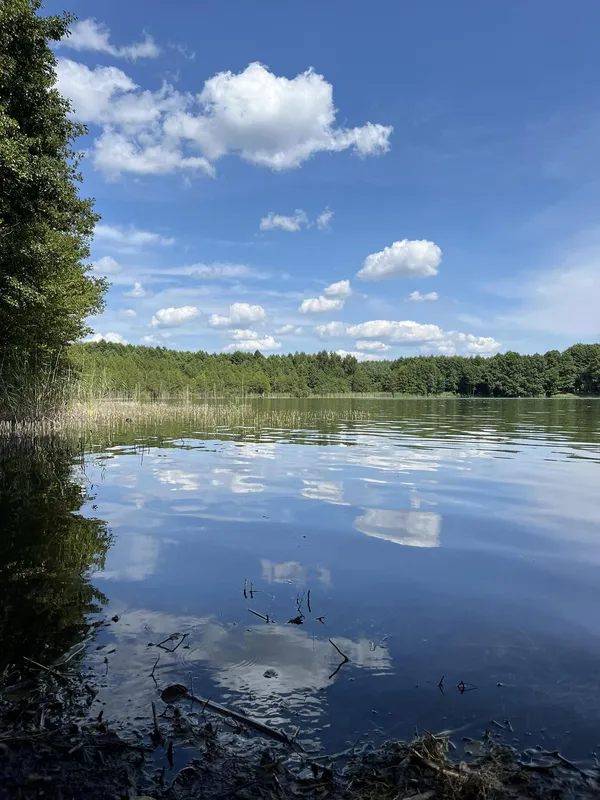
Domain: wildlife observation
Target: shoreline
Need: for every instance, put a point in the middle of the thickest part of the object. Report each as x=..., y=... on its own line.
x=54, y=744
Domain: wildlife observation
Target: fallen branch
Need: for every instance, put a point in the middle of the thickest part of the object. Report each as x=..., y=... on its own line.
x=179, y=692
x=46, y=669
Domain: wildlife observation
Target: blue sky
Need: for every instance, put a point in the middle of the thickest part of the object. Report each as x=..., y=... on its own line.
x=383, y=179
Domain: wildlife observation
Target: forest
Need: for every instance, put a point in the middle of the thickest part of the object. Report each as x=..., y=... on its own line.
x=107, y=369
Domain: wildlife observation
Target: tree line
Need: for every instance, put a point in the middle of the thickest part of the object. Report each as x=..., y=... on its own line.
x=126, y=370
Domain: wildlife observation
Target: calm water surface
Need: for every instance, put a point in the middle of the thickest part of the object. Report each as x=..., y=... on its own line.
x=437, y=538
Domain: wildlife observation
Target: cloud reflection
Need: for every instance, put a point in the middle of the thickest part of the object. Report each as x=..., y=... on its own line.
x=291, y=572
x=235, y=659
x=411, y=528
x=328, y=491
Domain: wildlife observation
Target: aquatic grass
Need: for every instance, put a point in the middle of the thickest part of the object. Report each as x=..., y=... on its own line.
x=78, y=418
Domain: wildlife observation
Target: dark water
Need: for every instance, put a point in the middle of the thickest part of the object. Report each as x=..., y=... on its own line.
x=437, y=538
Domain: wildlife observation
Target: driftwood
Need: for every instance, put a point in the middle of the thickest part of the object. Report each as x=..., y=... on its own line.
x=178, y=691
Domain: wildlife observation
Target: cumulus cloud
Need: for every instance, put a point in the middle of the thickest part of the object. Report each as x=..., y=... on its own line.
x=418, y=258
x=358, y=355
x=129, y=237
x=396, y=330
x=331, y=330
x=323, y=221
x=454, y=342
x=115, y=338
x=417, y=297
x=133, y=138
x=106, y=266
x=278, y=222
x=239, y=314
x=88, y=34
x=268, y=120
x=372, y=347
x=430, y=338
x=128, y=313
x=285, y=330
x=166, y=317
x=152, y=341
x=254, y=343
x=137, y=291
x=317, y=305
x=341, y=289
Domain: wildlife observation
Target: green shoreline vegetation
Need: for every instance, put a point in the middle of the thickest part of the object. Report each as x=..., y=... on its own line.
x=107, y=369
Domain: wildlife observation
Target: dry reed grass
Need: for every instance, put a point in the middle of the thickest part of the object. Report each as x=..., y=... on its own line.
x=80, y=417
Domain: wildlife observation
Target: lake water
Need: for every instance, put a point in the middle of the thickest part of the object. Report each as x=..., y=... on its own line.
x=443, y=538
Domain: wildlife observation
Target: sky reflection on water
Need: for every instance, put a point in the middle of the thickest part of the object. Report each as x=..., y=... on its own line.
x=458, y=539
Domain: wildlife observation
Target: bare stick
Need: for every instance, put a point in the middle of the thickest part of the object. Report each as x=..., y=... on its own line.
x=241, y=719
x=46, y=669
x=256, y=614
x=308, y=602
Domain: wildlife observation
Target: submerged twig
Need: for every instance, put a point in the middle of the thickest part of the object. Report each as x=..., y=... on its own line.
x=262, y=616
x=178, y=692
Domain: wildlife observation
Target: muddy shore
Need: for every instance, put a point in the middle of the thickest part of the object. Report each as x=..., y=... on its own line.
x=56, y=744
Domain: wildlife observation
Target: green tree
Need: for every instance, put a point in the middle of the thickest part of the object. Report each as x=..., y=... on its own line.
x=46, y=292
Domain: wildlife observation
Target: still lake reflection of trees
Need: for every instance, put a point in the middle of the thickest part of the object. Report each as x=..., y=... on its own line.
x=47, y=553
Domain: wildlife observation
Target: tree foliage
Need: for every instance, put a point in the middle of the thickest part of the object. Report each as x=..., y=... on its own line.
x=117, y=369
x=45, y=226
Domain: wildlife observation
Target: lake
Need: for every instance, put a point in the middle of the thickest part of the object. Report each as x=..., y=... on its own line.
x=450, y=549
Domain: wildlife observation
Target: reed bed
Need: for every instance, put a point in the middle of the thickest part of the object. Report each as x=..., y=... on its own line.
x=78, y=418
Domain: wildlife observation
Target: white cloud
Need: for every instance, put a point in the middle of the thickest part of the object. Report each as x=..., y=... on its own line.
x=137, y=291
x=239, y=334
x=253, y=343
x=418, y=258
x=454, y=342
x=417, y=297
x=272, y=121
x=152, y=341
x=372, y=347
x=128, y=313
x=317, y=305
x=115, y=338
x=430, y=338
x=265, y=119
x=93, y=93
x=88, y=34
x=115, y=153
x=133, y=138
x=331, y=330
x=285, y=330
x=218, y=271
x=278, y=222
x=324, y=219
x=106, y=266
x=174, y=316
x=341, y=289
x=405, y=331
x=358, y=355
x=130, y=238
x=239, y=314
